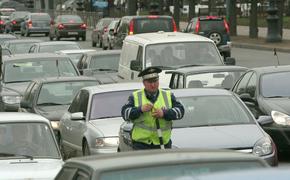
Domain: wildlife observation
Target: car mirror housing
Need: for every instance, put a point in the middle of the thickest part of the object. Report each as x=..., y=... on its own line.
x=264, y=120
x=25, y=104
x=78, y=116
x=230, y=61
x=135, y=65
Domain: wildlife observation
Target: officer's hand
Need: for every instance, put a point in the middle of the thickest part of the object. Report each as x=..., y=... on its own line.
x=146, y=107
x=158, y=113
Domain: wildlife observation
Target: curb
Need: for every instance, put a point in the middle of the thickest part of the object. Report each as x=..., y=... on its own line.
x=259, y=47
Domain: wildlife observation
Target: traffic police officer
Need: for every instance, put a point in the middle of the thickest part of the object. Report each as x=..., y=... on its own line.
x=148, y=105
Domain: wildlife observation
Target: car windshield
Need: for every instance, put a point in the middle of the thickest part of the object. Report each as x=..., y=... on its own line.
x=27, y=139
x=147, y=25
x=20, y=48
x=108, y=104
x=25, y=70
x=40, y=17
x=71, y=19
x=162, y=172
x=61, y=93
x=212, y=24
x=58, y=47
x=275, y=84
x=110, y=61
x=225, y=79
x=181, y=54
x=212, y=111
x=3, y=39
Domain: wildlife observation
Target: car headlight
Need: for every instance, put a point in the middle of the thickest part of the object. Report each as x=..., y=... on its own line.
x=11, y=99
x=107, y=141
x=263, y=147
x=54, y=124
x=280, y=118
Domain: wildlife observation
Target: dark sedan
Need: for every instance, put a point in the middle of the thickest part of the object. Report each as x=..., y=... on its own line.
x=66, y=26
x=19, y=70
x=265, y=90
x=50, y=97
x=215, y=119
x=15, y=20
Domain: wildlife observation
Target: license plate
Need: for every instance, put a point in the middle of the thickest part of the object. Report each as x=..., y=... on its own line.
x=72, y=33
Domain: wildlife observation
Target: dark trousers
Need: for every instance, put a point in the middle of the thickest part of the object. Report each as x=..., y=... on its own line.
x=142, y=146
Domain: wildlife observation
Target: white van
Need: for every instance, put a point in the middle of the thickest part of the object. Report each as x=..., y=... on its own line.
x=167, y=50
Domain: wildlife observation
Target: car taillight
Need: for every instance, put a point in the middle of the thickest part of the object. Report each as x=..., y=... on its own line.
x=174, y=26
x=226, y=26
x=29, y=23
x=197, y=27
x=1, y=22
x=105, y=29
x=14, y=22
x=60, y=26
x=83, y=26
x=131, y=27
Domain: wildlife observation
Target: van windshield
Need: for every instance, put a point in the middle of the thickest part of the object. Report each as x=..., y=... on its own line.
x=182, y=54
x=147, y=25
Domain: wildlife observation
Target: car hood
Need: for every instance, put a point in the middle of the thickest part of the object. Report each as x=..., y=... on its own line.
x=106, y=77
x=109, y=126
x=53, y=113
x=277, y=104
x=30, y=169
x=15, y=88
x=217, y=137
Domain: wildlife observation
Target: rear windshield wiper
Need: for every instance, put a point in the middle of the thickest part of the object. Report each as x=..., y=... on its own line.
x=49, y=104
x=15, y=155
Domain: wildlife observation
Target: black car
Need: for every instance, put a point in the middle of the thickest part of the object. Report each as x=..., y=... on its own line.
x=67, y=26
x=265, y=90
x=214, y=27
x=129, y=25
x=15, y=20
x=50, y=97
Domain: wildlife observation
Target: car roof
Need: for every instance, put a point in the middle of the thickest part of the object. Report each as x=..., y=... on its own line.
x=204, y=69
x=64, y=79
x=201, y=92
x=7, y=36
x=24, y=40
x=104, y=52
x=47, y=56
x=76, y=51
x=271, y=69
x=21, y=117
x=154, y=157
x=114, y=87
x=46, y=43
x=166, y=37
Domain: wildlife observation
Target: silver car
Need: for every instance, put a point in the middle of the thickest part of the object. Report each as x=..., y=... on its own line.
x=28, y=148
x=92, y=122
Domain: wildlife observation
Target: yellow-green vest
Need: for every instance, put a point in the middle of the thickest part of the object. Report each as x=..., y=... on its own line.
x=145, y=130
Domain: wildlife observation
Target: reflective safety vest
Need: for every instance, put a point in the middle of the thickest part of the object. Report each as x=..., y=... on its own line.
x=145, y=130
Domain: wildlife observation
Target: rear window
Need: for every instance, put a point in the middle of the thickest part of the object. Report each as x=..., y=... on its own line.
x=152, y=25
x=208, y=25
x=71, y=19
x=40, y=17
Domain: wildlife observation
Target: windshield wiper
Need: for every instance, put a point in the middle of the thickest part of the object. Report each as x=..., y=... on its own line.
x=188, y=65
x=277, y=97
x=49, y=104
x=2, y=154
x=165, y=67
x=17, y=81
x=104, y=69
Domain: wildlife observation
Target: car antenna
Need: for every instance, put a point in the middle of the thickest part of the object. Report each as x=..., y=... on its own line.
x=58, y=73
x=275, y=54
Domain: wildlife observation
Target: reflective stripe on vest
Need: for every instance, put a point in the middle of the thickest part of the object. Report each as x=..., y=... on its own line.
x=144, y=127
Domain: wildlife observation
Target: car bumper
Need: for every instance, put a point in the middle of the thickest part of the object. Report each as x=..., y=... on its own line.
x=271, y=159
x=38, y=30
x=225, y=48
x=104, y=150
x=72, y=33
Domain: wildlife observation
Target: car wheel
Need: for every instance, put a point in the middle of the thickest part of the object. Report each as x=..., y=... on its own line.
x=84, y=38
x=21, y=33
x=226, y=54
x=216, y=37
x=105, y=48
x=86, y=149
x=57, y=38
x=50, y=37
x=27, y=34
x=77, y=38
x=93, y=44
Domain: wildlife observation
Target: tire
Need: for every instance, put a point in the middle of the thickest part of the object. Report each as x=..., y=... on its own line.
x=77, y=38
x=94, y=44
x=86, y=149
x=57, y=38
x=27, y=34
x=216, y=37
x=46, y=34
x=99, y=44
x=105, y=48
x=226, y=54
x=50, y=37
x=84, y=38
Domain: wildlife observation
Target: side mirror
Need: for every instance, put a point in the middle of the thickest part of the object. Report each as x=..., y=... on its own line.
x=246, y=97
x=135, y=65
x=264, y=120
x=230, y=61
x=25, y=104
x=77, y=116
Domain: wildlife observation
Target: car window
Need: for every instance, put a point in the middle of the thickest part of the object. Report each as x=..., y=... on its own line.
x=28, y=91
x=240, y=88
x=32, y=93
x=66, y=173
x=274, y=85
x=74, y=107
x=212, y=111
x=146, y=25
x=252, y=85
x=108, y=104
x=80, y=103
x=110, y=61
x=70, y=19
x=81, y=175
x=209, y=25
x=21, y=48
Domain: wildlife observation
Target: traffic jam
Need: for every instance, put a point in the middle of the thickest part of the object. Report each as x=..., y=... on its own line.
x=136, y=97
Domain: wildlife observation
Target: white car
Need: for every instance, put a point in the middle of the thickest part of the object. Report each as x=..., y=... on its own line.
x=28, y=148
x=92, y=122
